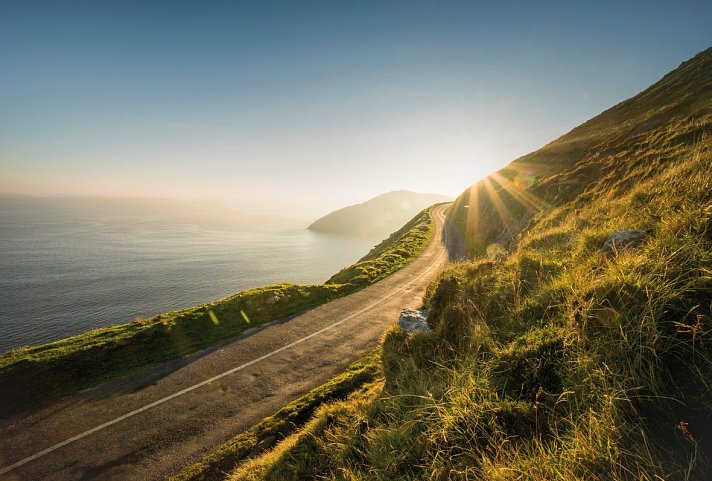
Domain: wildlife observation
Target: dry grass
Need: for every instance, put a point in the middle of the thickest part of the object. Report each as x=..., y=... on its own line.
x=554, y=360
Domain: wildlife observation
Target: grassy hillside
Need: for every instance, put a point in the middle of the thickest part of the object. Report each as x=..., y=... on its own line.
x=554, y=354
x=378, y=216
x=44, y=372
x=645, y=130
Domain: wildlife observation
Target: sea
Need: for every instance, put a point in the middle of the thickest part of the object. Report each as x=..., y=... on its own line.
x=71, y=265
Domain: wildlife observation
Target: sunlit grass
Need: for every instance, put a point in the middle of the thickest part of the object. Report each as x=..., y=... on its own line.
x=552, y=359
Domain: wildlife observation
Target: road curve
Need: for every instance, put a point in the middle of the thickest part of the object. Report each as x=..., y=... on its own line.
x=151, y=424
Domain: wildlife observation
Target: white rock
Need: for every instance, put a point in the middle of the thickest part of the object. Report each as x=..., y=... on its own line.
x=623, y=239
x=414, y=320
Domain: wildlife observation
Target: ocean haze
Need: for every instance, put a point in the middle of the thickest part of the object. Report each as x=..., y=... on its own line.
x=70, y=264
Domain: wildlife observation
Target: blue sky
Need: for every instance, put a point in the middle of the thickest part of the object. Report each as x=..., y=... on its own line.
x=303, y=107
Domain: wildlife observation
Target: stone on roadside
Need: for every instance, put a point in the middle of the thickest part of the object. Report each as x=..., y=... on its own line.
x=623, y=239
x=414, y=320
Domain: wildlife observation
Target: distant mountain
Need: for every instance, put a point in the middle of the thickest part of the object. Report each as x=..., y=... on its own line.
x=378, y=216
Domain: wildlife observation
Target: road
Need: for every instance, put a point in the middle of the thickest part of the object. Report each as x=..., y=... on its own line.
x=149, y=425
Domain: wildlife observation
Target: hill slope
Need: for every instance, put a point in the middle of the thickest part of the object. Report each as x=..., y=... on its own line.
x=560, y=355
x=378, y=216
x=644, y=129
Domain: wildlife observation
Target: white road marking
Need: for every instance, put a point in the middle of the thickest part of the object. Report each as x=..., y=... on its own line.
x=221, y=375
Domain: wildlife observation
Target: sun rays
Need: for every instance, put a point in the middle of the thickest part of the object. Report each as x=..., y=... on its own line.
x=498, y=200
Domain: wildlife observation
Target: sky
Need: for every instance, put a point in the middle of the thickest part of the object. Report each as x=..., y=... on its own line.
x=302, y=107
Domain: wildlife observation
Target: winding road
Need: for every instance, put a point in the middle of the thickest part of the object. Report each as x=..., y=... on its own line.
x=149, y=425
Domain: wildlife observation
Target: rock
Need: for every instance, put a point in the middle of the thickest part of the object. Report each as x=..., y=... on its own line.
x=624, y=239
x=273, y=299
x=414, y=320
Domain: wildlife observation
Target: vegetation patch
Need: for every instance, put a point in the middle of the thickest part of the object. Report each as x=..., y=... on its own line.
x=532, y=364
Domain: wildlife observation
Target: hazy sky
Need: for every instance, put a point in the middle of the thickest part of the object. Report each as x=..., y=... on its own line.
x=306, y=106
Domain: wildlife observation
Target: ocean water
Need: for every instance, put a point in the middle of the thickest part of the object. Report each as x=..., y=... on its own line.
x=70, y=266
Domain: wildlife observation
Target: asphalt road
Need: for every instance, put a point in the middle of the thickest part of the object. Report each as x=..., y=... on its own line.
x=149, y=425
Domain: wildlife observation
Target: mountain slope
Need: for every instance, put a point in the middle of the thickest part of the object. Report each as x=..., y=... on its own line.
x=379, y=216
x=560, y=350
x=643, y=129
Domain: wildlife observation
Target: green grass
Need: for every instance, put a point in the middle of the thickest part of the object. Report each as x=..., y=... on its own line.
x=553, y=360
x=49, y=371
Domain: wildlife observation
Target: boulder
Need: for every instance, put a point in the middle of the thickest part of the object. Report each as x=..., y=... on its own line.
x=273, y=299
x=623, y=239
x=414, y=320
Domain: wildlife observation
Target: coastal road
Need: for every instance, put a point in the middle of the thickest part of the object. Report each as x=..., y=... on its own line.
x=149, y=425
